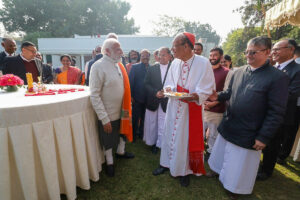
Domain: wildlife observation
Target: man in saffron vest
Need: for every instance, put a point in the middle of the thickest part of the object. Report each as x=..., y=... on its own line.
x=110, y=97
x=182, y=144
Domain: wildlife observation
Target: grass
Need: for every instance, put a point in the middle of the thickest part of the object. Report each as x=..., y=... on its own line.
x=134, y=181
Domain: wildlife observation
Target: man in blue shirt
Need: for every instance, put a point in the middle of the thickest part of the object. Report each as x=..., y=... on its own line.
x=137, y=77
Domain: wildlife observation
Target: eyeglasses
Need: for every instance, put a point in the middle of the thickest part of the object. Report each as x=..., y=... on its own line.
x=32, y=51
x=252, y=53
x=278, y=49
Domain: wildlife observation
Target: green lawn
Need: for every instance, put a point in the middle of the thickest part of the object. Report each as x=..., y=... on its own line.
x=134, y=180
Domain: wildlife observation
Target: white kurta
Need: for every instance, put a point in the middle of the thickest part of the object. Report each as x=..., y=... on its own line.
x=199, y=78
x=154, y=120
x=236, y=166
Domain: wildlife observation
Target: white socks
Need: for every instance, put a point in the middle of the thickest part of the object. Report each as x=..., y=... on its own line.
x=121, y=147
x=120, y=150
x=109, y=157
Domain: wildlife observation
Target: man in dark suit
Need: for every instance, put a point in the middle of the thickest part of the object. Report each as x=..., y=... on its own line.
x=24, y=63
x=281, y=145
x=156, y=107
x=47, y=70
x=10, y=47
x=137, y=77
x=91, y=62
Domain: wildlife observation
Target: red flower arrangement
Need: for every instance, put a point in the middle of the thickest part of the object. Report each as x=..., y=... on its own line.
x=10, y=82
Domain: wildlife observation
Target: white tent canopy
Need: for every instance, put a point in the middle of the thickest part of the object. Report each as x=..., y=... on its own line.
x=287, y=11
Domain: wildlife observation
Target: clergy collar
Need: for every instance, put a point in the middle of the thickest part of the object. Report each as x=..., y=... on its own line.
x=164, y=65
x=25, y=58
x=190, y=60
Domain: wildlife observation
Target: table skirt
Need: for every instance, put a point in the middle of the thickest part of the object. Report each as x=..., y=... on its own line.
x=44, y=159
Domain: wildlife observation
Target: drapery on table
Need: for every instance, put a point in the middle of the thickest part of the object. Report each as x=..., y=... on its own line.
x=48, y=144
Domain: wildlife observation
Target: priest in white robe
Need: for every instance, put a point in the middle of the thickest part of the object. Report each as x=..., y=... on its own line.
x=156, y=107
x=182, y=144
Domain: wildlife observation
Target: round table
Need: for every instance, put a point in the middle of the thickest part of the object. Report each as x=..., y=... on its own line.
x=48, y=144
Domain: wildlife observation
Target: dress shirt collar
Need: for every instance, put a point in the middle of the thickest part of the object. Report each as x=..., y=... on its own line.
x=7, y=54
x=25, y=58
x=284, y=64
x=297, y=60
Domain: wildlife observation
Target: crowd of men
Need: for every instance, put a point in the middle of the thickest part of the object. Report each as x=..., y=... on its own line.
x=240, y=112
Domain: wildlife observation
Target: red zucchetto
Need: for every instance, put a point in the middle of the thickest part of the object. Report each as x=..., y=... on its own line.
x=191, y=37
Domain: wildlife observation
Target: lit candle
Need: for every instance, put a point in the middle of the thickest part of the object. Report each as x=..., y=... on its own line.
x=29, y=80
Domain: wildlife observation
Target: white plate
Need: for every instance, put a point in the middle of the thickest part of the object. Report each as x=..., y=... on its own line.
x=172, y=95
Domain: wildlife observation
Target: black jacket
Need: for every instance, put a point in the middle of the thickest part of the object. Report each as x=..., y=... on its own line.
x=2, y=57
x=257, y=104
x=15, y=65
x=153, y=84
x=293, y=72
x=87, y=78
x=47, y=73
x=137, y=78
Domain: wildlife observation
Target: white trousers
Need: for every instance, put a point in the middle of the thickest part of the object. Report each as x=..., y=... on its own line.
x=212, y=121
x=154, y=126
x=236, y=166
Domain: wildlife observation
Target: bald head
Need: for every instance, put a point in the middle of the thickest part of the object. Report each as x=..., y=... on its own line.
x=145, y=56
x=9, y=45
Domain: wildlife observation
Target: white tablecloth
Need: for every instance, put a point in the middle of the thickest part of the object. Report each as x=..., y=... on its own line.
x=48, y=145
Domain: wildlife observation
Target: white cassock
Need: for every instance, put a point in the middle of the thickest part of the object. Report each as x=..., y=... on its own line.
x=237, y=166
x=154, y=120
x=198, y=78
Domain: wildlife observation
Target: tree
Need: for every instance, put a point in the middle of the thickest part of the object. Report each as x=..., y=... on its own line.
x=63, y=18
x=253, y=19
x=236, y=44
x=171, y=26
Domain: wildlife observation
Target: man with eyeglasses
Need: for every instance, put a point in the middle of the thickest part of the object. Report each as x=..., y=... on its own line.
x=281, y=145
x=24, y=63
x=257, y=95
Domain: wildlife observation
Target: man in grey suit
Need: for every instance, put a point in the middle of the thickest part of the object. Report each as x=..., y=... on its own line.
x=24, y=63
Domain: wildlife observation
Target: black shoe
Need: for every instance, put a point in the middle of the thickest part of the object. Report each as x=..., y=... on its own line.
x=262, y=176
x=212, y=174
x=184, y=181
x=281, y=162
x=206, y=156
x=160, y=170
x=126, y=155
x=231, y=195
x=154, y=149
x=110, y=170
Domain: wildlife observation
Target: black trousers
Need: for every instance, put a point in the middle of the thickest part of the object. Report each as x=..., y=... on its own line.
x=287, y=141
x=270, y=153
x=280, y=146
x=138, y=116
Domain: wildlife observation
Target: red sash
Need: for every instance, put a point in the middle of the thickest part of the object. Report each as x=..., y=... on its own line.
x=196, y=142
